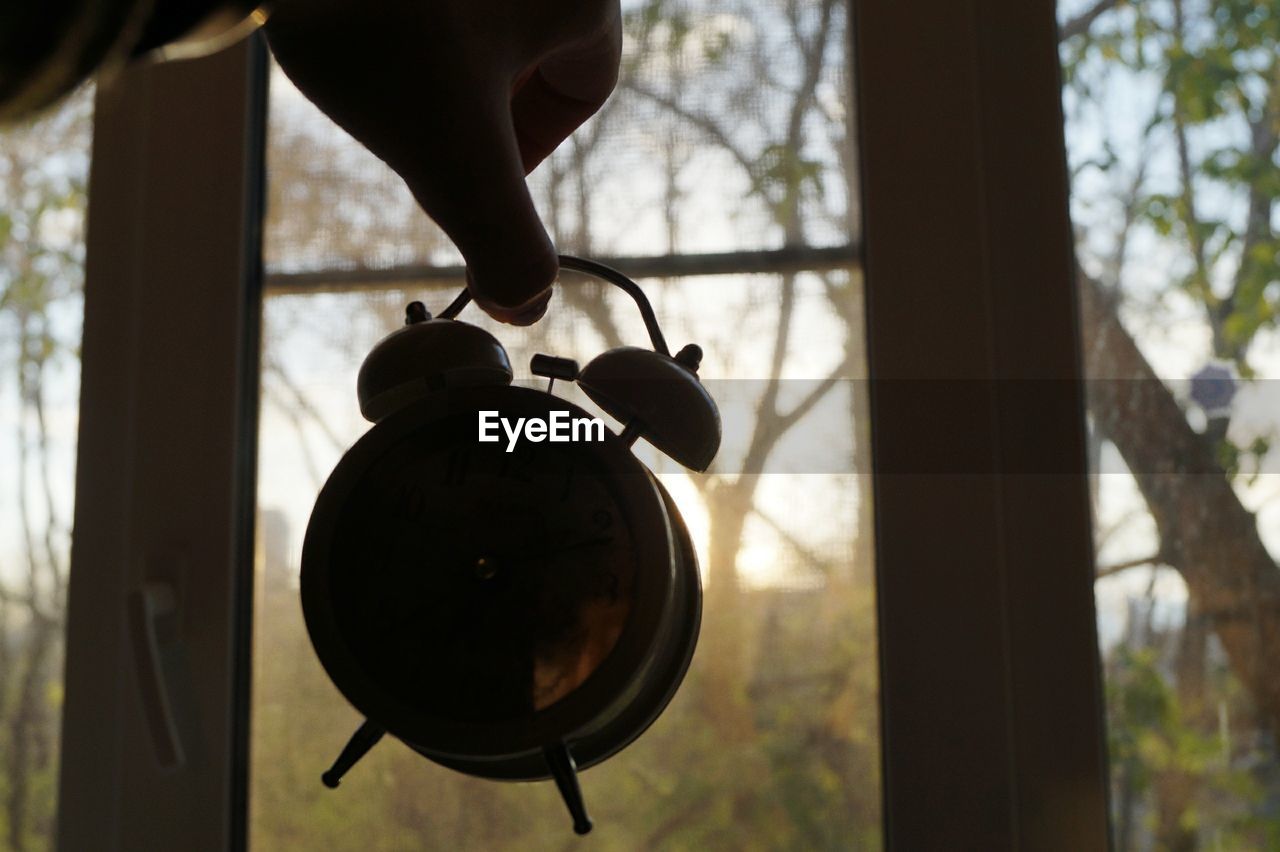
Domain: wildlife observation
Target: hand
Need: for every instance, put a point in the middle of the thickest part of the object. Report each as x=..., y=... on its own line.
x=462, y=98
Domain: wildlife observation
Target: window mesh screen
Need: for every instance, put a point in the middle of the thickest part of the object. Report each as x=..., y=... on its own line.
x=729, y=133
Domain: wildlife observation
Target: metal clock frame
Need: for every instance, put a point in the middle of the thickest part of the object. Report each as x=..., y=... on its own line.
x=629, y=674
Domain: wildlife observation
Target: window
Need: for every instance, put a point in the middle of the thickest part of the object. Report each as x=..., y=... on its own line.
x=980, y=577
x=727, y=150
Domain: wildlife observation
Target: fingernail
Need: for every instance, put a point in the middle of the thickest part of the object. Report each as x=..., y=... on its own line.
x=533, y=312
x=486, y=296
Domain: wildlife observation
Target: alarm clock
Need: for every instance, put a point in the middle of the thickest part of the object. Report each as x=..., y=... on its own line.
x=511, y=603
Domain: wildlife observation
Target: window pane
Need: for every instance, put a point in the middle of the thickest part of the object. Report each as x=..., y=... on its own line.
x=773, y=738
x=43, y=171
x=1173, y=113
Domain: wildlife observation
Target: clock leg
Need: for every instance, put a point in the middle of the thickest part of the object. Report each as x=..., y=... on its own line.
x=565, y=772
x=365, y=738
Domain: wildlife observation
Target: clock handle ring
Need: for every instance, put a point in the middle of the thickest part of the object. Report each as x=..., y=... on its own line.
x=603, y=273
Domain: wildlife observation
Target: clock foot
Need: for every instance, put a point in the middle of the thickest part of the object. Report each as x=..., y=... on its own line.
x=365, y=738
x=565, y=772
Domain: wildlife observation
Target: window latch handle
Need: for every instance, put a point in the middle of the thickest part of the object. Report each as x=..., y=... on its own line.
x=153, y=626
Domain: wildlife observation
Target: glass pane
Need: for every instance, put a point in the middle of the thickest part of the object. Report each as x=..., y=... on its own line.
x=1173, y=116
x=43, y=174
x=772, y=740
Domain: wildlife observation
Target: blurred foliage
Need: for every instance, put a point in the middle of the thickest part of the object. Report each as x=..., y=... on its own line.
x=1155, y=749
x=1178, y=103
x=43, y=171
x=1216, y=121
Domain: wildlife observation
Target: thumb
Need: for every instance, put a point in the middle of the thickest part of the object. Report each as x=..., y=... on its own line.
x=470, y=178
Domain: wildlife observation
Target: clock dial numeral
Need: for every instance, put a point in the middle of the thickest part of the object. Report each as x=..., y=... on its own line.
x=563, y=543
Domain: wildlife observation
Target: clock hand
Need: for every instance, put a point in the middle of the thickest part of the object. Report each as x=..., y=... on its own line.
x=582, y=545
x=488, y=567
x=568, y=548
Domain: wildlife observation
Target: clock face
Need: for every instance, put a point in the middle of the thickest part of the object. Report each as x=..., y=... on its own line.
x=476, y=585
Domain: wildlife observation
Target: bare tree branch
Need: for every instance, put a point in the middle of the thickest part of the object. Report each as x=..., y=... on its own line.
x=1118, y=567
x=702, y=122
x=681, y=818
x=806, y=553
x=56, y=570
x=12, y=598
x=1080, y=24
x=770, y=429
x=300, y=401
x=1190, y=213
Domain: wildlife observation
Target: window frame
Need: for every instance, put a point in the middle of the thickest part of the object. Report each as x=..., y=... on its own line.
x=991, y=709
x=993, y=731
x=166, y=460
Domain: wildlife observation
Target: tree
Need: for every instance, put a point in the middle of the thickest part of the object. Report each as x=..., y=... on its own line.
x=1195, y=184
x=42, y=180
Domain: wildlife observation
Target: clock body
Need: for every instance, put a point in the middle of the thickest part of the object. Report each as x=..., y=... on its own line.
x=483, y=605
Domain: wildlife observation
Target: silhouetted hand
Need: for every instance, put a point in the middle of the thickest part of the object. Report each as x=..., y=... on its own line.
x=462, y=98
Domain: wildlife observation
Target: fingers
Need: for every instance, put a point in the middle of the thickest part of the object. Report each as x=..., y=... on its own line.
x=435, y=89
x=469, y=177
x=564, y=90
